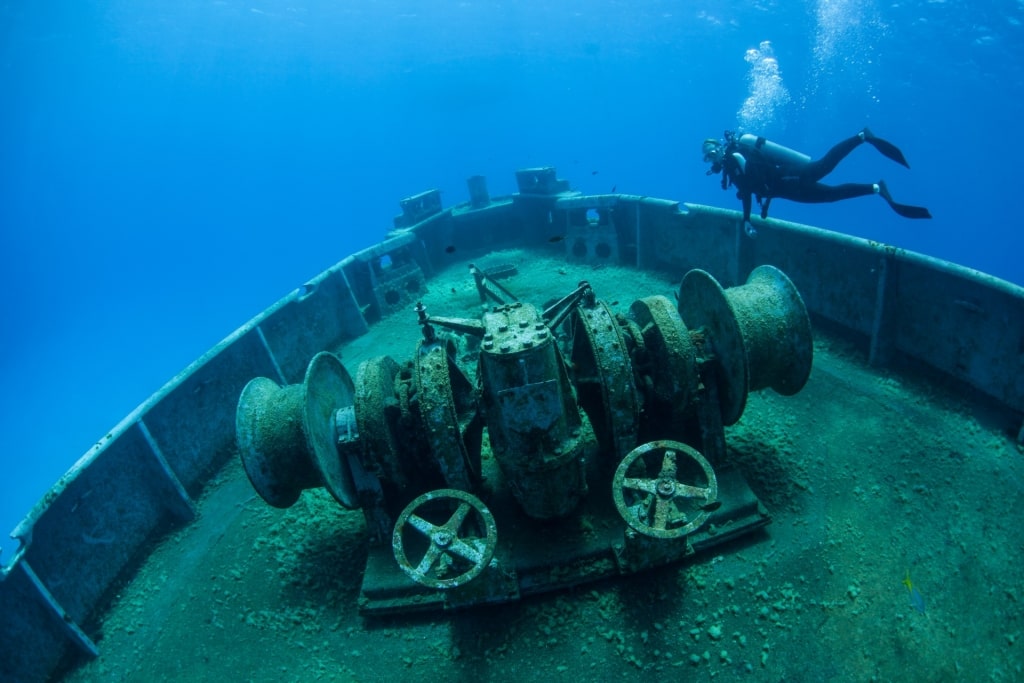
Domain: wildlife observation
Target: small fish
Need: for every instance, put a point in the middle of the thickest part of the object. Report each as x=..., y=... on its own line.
x=556, y=239
x=916, y=599
x=450, y=249
x=594, y=172
x=613, y=188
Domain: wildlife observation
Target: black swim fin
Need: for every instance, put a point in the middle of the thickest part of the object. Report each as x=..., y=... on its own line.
x=908, y=211
x=905, y=210
x=885, y=147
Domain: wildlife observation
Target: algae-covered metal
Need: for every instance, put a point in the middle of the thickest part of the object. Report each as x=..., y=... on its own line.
x=540, y=380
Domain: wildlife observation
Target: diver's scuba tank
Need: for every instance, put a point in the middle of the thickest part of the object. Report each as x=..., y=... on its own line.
x=775, y=152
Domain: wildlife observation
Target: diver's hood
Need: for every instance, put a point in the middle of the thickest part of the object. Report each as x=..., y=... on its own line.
x=714, y=153
x=712, y=150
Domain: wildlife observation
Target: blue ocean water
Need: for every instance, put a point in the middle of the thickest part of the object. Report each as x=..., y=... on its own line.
x=169, y=169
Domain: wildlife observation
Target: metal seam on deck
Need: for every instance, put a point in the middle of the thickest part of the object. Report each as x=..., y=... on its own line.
x=879, y=343
x=636, y=213
x=270, y=354
x=352, y=298
x=68, y=625
x=186, y=510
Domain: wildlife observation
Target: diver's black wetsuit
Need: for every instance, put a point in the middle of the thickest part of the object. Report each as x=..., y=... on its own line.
x=757, y=171
x=767, y=178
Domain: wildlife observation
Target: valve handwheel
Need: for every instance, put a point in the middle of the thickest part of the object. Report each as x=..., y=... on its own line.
x=665, y=505
x=451, y=532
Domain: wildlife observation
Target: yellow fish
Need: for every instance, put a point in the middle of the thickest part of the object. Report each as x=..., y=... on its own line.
x=916, y=599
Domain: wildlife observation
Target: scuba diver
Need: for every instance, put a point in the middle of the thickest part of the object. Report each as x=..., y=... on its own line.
x=765, y=170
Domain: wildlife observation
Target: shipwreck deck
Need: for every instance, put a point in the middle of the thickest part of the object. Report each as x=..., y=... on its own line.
x=871, y=477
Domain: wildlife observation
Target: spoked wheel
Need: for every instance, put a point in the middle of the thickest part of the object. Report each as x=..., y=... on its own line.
x=444, y=538
x=665, y=489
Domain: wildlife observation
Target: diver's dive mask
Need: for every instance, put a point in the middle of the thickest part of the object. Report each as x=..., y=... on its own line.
x=714, y=153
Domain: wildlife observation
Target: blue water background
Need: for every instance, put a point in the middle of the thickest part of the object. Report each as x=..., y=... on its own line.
x=168, y=169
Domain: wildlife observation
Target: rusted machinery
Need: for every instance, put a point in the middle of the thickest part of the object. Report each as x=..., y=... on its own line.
x=581, y=444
